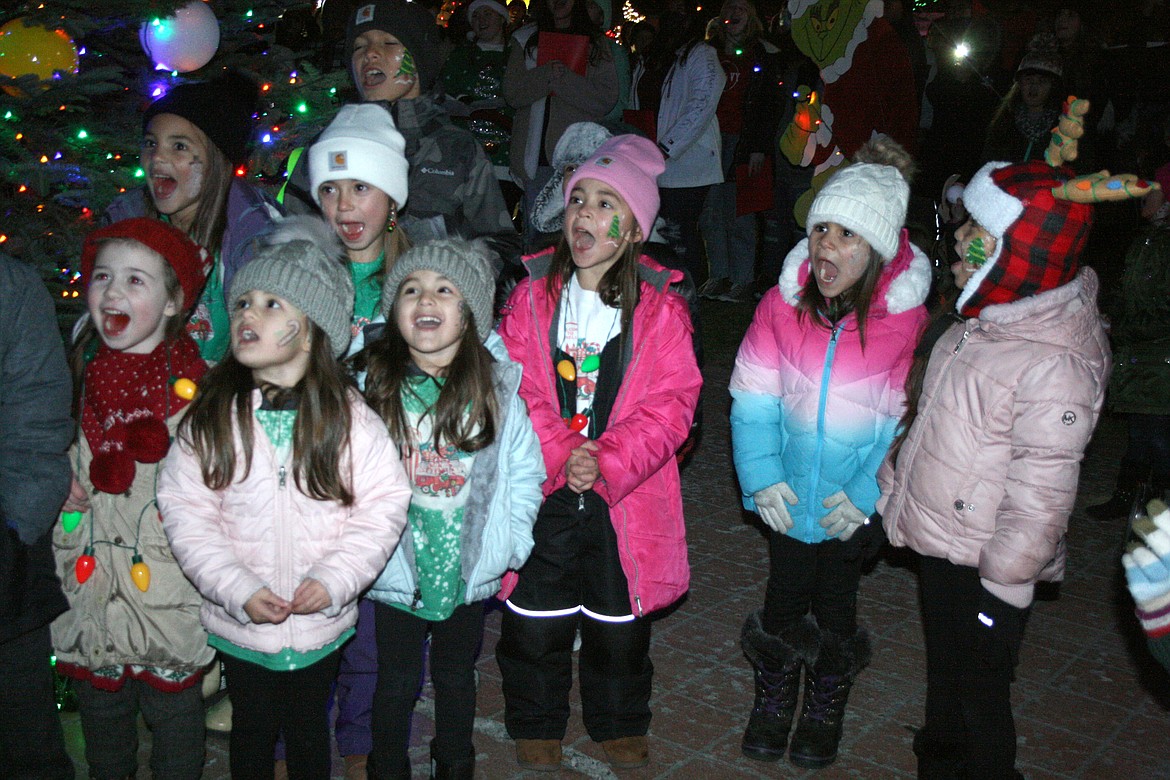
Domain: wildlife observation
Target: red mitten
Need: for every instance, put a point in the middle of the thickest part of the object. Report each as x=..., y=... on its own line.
x=112, y=472
x=147, y=440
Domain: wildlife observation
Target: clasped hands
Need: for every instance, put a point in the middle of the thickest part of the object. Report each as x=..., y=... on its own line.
x=772, y=505
x=581, y=468
x=266, y=607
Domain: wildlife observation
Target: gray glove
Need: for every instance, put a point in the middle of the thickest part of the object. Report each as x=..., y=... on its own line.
x=772, y=505
x=844, y=519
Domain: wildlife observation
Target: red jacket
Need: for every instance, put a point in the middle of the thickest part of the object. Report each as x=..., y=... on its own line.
x=651, y=418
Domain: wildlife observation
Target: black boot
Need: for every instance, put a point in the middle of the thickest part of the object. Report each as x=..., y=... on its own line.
x=776, y=660
x=826, y=691
x=1129, y=481
x=938, y=760
x=454, y=770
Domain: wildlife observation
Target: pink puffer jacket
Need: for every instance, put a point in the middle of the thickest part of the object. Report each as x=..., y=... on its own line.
x=651, y=418
x=988, y=474
x=263, y=532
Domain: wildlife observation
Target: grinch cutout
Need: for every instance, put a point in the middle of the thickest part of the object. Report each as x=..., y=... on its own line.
x=867, y=87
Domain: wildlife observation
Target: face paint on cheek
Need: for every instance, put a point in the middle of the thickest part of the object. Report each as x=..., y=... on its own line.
x=193, y=184
x=615, y=227
x=407, y=70
x=285, y=337
x=976, y=254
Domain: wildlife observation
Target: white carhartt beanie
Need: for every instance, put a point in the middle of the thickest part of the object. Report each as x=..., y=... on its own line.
x=361, y=143
x=868, y=198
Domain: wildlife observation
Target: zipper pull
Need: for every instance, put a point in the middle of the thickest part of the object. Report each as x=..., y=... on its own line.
x=962, y=341
x=580, y=502
x=282, y=475
x=416, y=602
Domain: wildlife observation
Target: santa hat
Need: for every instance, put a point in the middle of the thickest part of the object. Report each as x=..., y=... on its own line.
x=1038, y=237
x=190, y=261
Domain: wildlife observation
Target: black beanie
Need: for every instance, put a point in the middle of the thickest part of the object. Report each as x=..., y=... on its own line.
x=221, y=107
x=414, y=27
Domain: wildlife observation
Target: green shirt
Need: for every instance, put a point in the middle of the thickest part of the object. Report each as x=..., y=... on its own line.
x=367, y=288
x=286, y=660
x=437, y=477
x=210, y=324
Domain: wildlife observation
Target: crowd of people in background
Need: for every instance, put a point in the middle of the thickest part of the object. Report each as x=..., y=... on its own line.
x=454, y=365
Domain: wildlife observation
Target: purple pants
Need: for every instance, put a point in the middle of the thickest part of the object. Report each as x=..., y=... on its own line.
x=354, y=690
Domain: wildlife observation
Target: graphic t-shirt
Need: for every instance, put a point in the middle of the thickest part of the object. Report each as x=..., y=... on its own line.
x=367, y=288
x=210, y=324
x=587, y=325
x=437, y=477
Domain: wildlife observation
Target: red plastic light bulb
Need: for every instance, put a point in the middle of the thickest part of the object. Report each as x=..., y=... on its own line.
x=85, y=565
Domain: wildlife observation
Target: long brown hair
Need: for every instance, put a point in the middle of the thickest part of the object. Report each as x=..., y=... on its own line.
x=466, y=411
x=619, y=287
x=211, y=217
x=320, y=433
x=827, y=312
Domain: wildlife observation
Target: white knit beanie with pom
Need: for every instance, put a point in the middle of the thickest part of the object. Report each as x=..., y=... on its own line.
x=869, y=199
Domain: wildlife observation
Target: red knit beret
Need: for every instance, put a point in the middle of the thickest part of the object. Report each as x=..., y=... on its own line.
x=191, y=262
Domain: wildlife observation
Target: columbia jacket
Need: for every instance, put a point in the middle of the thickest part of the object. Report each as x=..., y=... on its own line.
x=651, y=418
x=988, y=472
x=810, y=406
x=503, y=497
x=263, y=532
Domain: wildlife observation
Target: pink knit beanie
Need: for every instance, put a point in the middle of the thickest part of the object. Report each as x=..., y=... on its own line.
x=631, y=165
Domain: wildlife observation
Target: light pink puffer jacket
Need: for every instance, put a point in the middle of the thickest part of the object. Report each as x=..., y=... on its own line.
x=263, y=532
x=988, y=474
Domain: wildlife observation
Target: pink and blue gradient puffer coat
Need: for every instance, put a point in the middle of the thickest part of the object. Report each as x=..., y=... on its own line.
x=810, y=407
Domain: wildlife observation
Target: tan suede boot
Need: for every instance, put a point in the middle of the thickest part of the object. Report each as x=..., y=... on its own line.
x=627, y=752
x=355, y=767
x=540, y=755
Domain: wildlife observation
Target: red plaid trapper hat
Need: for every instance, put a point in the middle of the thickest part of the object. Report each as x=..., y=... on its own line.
x=1039, y=239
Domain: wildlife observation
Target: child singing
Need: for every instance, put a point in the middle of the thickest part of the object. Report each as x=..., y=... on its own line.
x=131, y=638
x=285, y=498
x=611, y=383
x=475, y=471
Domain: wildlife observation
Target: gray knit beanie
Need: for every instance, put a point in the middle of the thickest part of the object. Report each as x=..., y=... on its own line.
x=576, y=145
x=869, y=199
x=468, y=264
x=303, y=261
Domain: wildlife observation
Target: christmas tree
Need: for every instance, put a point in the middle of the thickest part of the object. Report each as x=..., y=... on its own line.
x=76, y=77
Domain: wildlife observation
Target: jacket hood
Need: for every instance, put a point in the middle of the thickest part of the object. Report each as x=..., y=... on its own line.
x=904, y=283
x=1065, y=316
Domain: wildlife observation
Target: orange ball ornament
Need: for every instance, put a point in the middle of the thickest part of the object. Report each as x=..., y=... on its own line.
x=32, y=50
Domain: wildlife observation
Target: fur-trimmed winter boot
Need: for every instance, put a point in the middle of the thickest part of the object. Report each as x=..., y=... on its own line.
x=776, y=660
x=826, y=692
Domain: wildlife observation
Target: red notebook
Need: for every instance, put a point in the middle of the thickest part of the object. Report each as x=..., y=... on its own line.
x=573, y=50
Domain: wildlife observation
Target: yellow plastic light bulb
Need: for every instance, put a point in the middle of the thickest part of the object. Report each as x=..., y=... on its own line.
x=567, y=370
x=140, y=573
x=185, y=389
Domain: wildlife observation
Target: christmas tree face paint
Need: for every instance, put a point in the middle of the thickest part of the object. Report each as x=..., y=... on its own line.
x=615, y=227
x=407, y=69
x=976, y=255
